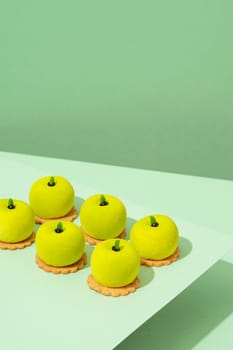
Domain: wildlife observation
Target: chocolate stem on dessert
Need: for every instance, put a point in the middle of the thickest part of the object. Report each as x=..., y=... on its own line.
x=11, y=204
x=103, y=201
x=59, y=228
x=116, y=246
x=51, y=181
x=153, y=221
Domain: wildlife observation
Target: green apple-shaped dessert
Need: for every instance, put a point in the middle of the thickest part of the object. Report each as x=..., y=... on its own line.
x=103, y=217
x=114, y=264
x=16, y=224
x=60, y=244
x=52, y=197
x=155, y=237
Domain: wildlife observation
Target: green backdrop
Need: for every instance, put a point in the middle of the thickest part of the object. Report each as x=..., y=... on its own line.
x=145, y=84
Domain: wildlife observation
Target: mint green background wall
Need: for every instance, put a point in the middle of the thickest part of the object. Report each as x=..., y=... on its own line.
x=145, y=84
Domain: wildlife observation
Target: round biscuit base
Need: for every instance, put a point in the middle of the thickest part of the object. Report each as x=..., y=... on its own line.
x=95, y=241
x=68, y=217
x=62, y=269
x=18, y=245
x=167, y=261
x=112, y=291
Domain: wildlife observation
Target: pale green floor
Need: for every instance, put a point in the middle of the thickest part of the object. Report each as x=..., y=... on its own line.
x=188, y=319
